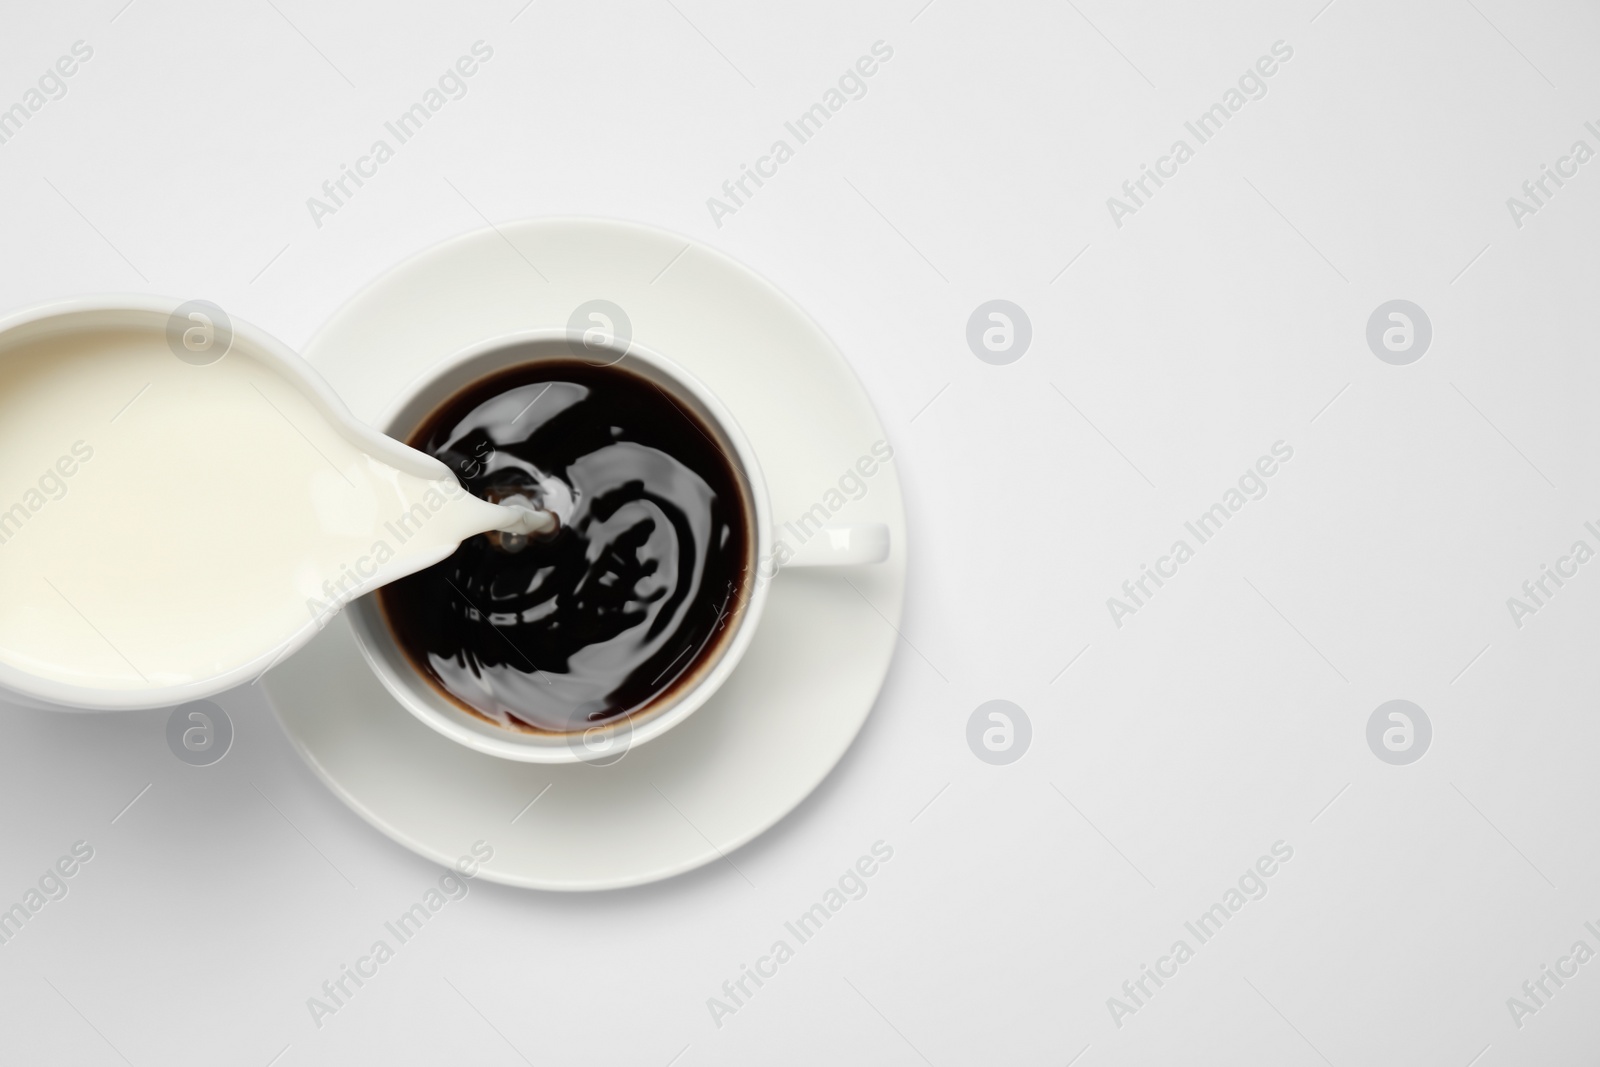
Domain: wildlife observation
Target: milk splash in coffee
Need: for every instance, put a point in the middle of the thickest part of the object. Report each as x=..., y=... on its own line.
x=164, y=523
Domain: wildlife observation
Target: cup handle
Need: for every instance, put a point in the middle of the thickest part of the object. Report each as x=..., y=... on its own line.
x=843, y=546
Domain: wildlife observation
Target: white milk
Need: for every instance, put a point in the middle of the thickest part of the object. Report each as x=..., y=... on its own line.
x=163, y=523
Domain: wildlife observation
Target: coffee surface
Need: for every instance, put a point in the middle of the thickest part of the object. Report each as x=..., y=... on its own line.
x=629, y=598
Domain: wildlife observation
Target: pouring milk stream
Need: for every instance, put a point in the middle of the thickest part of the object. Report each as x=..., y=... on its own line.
x=172, y=527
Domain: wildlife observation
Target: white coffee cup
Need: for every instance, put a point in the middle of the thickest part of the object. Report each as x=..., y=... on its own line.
x=843, y=546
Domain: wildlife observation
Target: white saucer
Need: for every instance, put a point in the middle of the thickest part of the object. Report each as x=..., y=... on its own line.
x=796, y=702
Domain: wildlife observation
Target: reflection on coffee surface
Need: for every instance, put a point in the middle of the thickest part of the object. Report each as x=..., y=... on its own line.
x=630, y=598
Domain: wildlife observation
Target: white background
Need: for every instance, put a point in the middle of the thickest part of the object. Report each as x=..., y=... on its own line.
x=1230, y=713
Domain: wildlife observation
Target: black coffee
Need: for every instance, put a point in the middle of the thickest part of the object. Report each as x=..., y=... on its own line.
x=628, y=600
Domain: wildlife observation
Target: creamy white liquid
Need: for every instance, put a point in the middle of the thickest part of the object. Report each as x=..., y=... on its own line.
x=163, y=523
